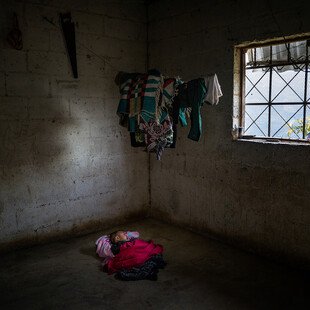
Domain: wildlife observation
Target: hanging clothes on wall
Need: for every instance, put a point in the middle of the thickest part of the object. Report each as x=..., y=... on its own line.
x=214, y=91
x=144, y=109
x=151, y=106
x=193, y=94
x=138, y=99
x=157, y=135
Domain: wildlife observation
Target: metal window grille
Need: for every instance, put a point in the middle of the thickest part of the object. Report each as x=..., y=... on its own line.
x=276, y=90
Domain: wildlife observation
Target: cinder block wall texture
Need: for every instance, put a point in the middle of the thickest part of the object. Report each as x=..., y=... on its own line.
x=65, y=164
x=253, y=195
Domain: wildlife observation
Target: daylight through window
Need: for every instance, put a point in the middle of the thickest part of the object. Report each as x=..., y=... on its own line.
x=276, y=90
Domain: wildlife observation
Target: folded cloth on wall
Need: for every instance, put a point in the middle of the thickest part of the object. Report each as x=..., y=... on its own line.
x=133, y=254
x=147, y=270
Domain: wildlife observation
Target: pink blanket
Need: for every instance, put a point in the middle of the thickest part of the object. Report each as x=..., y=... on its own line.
x=133, y=254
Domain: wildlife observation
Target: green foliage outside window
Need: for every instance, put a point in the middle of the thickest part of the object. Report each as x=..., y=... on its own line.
x=297, y=127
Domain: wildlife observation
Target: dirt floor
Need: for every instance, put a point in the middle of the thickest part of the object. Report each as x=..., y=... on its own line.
x=201, y=274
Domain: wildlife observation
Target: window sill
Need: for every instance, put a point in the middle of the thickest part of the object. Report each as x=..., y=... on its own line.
x=273, y=141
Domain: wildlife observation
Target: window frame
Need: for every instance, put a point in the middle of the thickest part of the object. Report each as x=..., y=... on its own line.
x=239, y=89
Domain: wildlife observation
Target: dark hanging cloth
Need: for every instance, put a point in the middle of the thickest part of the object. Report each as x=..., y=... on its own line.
x=191, y=95
x=177, y=112
x=134, y=142
x=147, y=271
x=137, y=138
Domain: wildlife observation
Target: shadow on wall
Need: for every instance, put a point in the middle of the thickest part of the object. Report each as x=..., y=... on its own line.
x=32, y=120
x=65, y=163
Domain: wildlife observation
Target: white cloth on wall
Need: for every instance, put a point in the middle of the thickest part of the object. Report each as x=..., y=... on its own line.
x=214, y=91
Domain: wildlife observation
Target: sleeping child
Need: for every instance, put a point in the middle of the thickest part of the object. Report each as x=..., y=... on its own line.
x=129, y=257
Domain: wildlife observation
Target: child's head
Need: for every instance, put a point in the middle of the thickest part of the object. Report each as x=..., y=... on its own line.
x=117, y=236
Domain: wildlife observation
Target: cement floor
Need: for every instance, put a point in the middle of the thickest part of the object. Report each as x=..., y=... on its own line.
x=201, y=274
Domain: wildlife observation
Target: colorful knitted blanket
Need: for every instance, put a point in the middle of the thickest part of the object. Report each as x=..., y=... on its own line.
x=148, y=96
x=145, y=102
x=139, y=97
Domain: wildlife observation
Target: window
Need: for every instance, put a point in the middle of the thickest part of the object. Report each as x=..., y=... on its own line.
x=274, y=93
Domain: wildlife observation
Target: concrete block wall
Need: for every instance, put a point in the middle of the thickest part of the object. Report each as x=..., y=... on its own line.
x=66, y=166
x=253, y=195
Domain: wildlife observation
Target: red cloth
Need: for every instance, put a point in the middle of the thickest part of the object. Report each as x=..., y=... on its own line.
x=133, y=254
